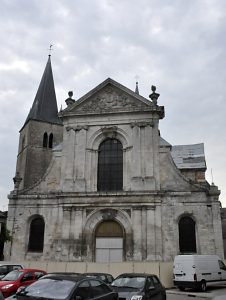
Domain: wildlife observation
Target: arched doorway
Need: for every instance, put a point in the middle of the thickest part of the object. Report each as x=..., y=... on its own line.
x=109, y=242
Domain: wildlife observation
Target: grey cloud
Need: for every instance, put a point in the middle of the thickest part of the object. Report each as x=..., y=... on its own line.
x=176, y=45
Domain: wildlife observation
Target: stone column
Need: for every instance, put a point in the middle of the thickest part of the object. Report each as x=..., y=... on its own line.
x=155, y=143
x=151, y=242
x=127, y=165
x=80, y=159
x=137, y=234
x=144, y=232
x=148, y=151
x=77, y=244
x=217, y=229
x=158, y=234
x=66, y=222
x=93, y=169
x=136, y=166
x=68, y=160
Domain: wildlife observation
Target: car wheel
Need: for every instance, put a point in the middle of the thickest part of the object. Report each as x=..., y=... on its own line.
x=181, y=288
x=203, y=286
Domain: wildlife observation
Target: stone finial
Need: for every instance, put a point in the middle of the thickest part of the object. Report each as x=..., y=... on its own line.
x=69, y=101
x=17, y=179
x=137, y=88
x=154, y=96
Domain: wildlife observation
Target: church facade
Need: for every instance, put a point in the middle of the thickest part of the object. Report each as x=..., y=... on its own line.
x=96, y=182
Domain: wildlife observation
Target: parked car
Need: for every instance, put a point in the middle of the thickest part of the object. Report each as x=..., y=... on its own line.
x=107, y=278
x=68, y=288
x=136, y=286
x=6, y=267
x=17, y=278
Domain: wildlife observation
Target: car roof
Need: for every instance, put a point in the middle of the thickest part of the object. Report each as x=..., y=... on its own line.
x=64, y=277
x=63, y=273
x=96, y=273
x=135, y=275
x=48, y=275
x=8, y=263
x=28, y=270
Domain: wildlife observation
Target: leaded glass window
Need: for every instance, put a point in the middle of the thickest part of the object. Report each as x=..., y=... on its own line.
x=110, y=166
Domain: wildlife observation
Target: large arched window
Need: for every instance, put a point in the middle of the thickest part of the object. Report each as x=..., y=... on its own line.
x=187, y=237
x=109, y=242
x=36, y=236
x=110, y=166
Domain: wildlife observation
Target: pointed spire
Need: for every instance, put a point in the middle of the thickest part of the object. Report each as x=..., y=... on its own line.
x=44, y=107
x=137, y=89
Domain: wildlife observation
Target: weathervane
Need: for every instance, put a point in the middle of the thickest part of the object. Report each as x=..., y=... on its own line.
x=50, y=49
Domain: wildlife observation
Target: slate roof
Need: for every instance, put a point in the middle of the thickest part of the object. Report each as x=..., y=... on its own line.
x=189, y=156
x=44, y=107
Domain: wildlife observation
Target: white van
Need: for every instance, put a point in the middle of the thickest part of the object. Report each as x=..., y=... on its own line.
x=195, y=271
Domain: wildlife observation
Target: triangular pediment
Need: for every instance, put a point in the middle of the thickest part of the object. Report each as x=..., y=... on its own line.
x=109, y=97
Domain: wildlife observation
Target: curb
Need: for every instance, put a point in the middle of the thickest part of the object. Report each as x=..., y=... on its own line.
x=190, y=294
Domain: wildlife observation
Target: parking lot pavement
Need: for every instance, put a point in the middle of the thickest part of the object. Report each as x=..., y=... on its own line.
x=189, y=293
x=216, y=292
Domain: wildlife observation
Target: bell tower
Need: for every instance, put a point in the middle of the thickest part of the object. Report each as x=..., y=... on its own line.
x=41, y=132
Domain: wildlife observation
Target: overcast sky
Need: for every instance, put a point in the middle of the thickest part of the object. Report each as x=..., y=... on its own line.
x=177, y=45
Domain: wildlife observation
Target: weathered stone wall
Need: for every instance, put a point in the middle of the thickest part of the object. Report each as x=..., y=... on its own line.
x=62, y=186
x=150, y=223
x=33, y=159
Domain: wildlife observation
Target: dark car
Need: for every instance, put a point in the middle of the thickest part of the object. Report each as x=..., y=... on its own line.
x=107, y=278
x=15, y=279
x=139, y=286
x=59, y=287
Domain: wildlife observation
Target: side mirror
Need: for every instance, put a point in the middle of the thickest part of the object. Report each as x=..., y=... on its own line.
x=20, y=290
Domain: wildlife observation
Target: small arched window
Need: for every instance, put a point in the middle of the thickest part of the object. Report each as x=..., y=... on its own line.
x=187, y=236
x=51, y=140
x=36, y=235
x=45, y=140
x=110, y=166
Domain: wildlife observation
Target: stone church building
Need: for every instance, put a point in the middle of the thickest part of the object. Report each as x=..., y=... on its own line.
x=97, y=182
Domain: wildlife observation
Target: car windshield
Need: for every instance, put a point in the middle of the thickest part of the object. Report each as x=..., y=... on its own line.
x=129, y=281
x=13, y=275
x=50, y=288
